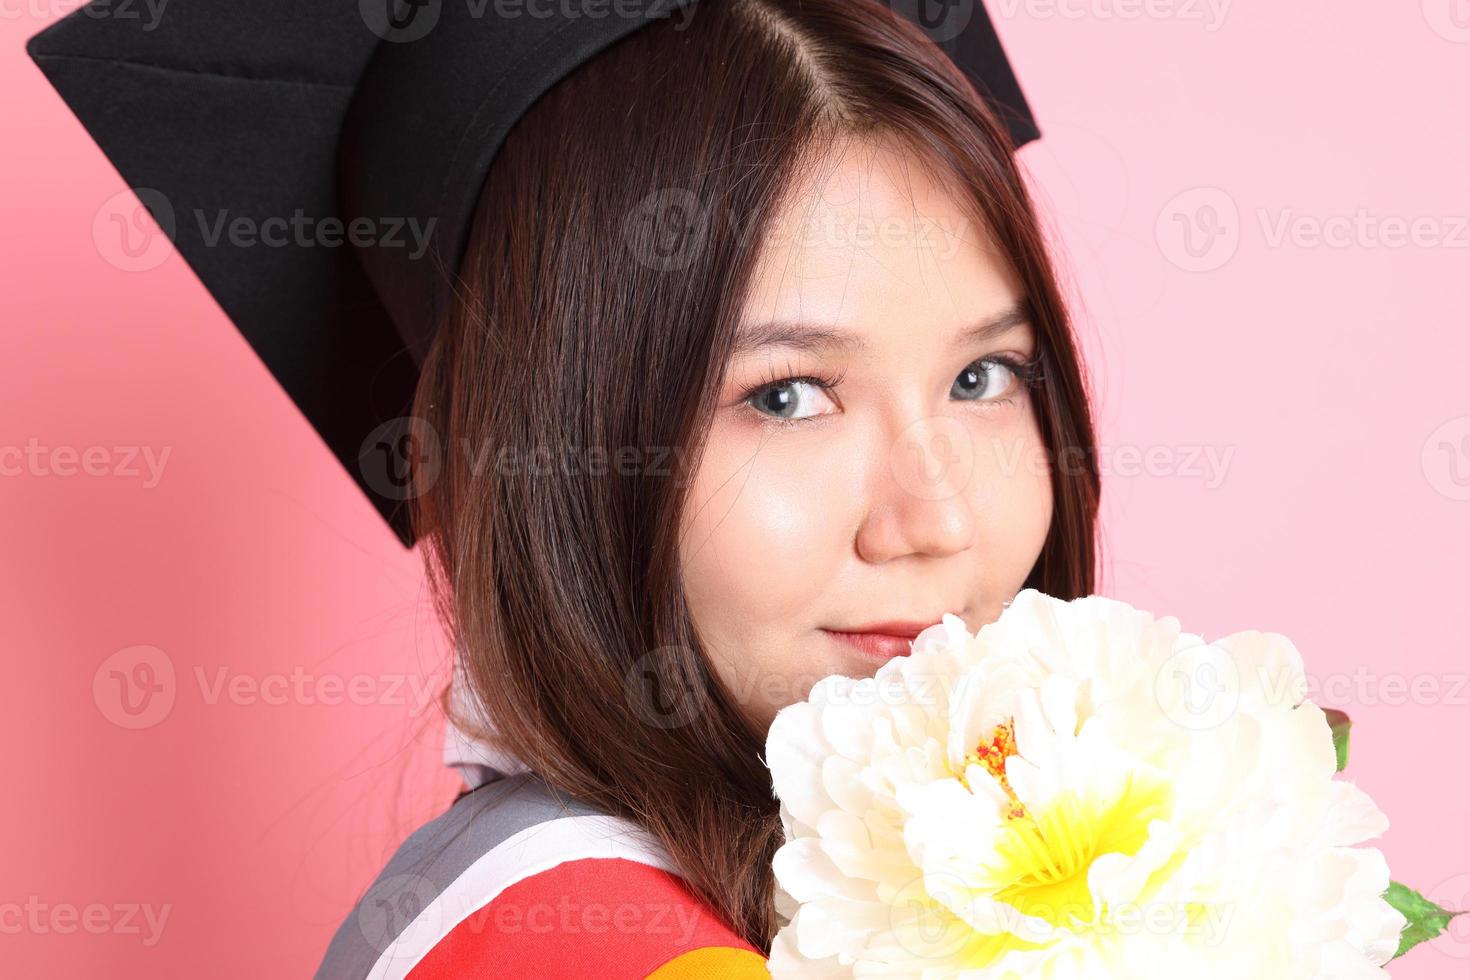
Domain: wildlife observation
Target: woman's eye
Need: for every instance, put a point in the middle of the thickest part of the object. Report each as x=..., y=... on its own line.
x=985, y=380
x=790, y=400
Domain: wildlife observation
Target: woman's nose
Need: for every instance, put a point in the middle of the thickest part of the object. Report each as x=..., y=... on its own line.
x=919, y=493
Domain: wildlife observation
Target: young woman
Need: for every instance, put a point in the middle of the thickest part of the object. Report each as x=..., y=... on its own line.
x=750, y=378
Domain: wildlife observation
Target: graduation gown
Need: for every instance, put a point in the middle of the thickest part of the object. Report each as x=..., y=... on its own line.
x=515, y=881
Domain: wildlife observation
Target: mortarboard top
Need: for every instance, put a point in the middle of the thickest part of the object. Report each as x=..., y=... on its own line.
x=326, y=111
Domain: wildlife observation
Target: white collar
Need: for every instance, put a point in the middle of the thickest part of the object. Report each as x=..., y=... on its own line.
x=479, y=760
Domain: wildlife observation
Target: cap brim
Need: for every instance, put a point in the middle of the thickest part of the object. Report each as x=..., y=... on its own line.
x=209, y=131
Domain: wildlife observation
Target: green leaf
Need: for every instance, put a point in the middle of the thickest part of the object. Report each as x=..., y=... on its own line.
x=1340, y=723
x=1426, y=920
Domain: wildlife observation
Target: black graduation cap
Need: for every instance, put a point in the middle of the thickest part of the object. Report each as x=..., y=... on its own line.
x=371, y=125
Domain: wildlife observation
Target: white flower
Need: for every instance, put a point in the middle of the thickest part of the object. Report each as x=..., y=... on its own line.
x=1079, y=791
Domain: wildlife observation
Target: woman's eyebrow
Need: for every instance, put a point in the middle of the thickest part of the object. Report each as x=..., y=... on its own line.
x=813, y=339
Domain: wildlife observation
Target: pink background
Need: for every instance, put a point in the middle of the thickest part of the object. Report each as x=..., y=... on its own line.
x=1330, y=378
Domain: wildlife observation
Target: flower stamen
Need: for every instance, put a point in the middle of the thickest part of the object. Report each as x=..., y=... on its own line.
x=991, y=756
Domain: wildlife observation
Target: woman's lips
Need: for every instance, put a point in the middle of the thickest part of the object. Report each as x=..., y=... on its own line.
x=878, y=646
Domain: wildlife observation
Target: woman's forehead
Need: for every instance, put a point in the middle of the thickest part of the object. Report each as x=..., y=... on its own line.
x=868, y=244
x=867, y=223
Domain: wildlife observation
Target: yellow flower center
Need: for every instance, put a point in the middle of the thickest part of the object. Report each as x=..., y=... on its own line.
x=1042, y=859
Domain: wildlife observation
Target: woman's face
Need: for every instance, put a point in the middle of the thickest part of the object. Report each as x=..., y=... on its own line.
x=873, y=462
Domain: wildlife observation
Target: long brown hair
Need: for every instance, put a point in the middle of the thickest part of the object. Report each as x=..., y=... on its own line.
x=573, y=383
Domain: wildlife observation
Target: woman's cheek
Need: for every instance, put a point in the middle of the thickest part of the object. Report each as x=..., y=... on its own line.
x=762, y=525
x=783, y=526
x=1014, y=504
